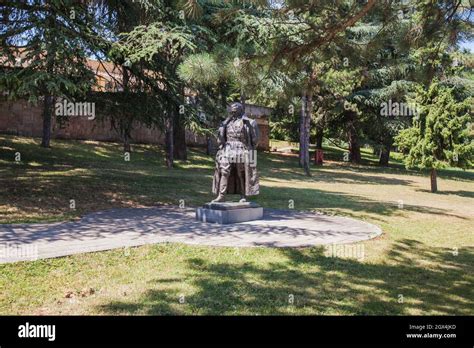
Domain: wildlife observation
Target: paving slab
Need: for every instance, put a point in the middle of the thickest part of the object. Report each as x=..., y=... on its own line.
x=119, y=228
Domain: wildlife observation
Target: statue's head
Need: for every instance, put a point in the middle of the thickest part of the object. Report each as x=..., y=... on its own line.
x=236, y=109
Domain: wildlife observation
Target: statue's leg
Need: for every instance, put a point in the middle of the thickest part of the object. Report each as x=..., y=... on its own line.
x=241, y=174
x=225, y=173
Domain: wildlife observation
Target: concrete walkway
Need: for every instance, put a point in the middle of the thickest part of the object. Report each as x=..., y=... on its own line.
x=138, y=226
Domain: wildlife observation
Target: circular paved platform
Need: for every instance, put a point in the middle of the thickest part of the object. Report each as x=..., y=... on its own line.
x=138, y=226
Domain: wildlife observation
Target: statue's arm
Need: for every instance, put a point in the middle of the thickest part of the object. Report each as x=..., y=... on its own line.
x=221, y=136
x=254, y=132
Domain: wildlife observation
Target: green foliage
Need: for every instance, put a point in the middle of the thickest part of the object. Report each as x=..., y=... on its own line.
x=146, y=41
x=258, y=51
x=283, y=123
x=44, y=49
x=201, y=68
x=341, y=82
x=440, y=134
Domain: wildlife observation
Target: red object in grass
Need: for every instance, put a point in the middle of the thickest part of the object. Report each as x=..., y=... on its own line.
x=319, y=157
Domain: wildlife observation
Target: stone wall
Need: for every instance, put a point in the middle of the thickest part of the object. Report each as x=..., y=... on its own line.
x=22, y=118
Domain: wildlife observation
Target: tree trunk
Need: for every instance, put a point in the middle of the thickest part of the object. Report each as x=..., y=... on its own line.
x=307, y=130
x=169, y=146
x=305, y=126
x=211, y=146
x=179, y=141
x=243, y=98
x=434, y=183
x=353, y=139
x=48, y=97
x=384, y=155
x=126, y=143
x=47, y=117
x=126, y=128
x=208, y=145
x=319, y=138
x=301, y=126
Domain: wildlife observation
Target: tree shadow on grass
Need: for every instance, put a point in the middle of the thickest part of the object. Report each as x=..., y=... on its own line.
x=461, y=193
x=97, y=190
x=278, y=161
x=430, y=281
x=325, y=176
x=308, y=199
x=48, y=194
x=104, y=182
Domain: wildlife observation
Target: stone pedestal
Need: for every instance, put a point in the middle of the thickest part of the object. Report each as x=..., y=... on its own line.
x=229, y=212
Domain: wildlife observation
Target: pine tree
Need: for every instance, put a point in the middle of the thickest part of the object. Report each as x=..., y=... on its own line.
x=440, y=134
x=293, y=38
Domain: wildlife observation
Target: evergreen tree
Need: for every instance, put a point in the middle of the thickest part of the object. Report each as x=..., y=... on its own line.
x=440, y=134
x=43, y=45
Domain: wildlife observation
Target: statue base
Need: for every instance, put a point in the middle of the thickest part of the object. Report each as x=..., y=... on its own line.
x=229, y=212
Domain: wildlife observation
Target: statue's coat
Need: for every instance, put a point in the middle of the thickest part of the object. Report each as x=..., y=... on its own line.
x=251, y=178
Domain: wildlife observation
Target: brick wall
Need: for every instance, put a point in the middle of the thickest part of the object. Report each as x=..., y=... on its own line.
x=22, y=118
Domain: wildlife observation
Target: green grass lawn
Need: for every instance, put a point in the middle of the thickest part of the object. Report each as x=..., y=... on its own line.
x=422, y=264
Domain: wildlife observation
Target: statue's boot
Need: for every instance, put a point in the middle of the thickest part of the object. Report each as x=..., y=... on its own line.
x=220, y=198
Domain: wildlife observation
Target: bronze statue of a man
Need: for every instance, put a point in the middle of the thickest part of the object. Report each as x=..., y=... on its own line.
x=236, y=160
